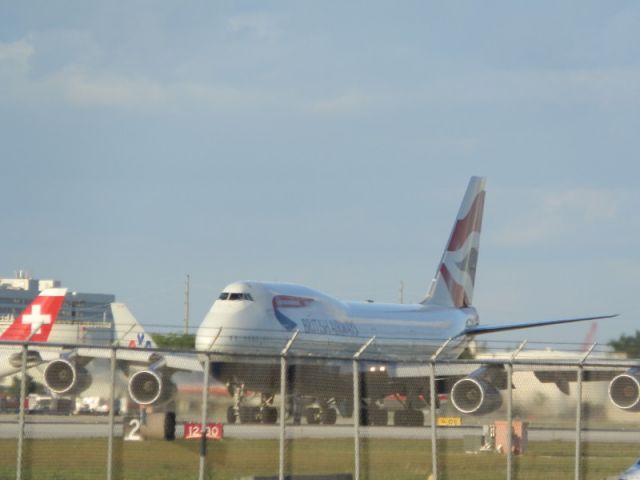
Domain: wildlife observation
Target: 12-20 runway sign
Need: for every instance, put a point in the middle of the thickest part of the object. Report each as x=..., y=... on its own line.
x=214, y=431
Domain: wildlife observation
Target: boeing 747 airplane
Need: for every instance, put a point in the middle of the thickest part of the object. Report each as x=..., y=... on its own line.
x=252, y=318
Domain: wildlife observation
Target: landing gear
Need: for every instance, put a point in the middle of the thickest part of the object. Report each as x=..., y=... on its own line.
x=248, y=414
x=232, y=416
x=316, y=415
x=328, y=416
x=408, y=418
x=377, y=416
x=233, y=412
x=265, y=413
x=269, y=415
x=371, y=413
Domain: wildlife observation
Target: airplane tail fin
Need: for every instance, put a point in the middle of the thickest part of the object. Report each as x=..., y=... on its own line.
x=453, y=283
x=36, y=321
x=127, y=330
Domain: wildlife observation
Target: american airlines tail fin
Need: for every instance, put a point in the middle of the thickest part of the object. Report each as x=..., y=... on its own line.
x=453, y=283
x=127, y=331
x=36, y=321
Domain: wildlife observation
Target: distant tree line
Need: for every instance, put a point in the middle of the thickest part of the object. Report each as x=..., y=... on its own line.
x=175, y=341
x=629, y=344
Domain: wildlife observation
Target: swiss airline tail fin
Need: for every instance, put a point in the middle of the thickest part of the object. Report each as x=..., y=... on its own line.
x=128, y=331
x=36, y=321
x=453, y=283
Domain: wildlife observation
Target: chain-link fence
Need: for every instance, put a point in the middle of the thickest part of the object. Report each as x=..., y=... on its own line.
x=85, y=412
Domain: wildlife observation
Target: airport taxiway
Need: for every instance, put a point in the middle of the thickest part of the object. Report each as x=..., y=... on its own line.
x=56, y=426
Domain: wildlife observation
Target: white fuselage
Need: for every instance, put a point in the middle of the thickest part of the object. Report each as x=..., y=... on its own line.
x=257, y=317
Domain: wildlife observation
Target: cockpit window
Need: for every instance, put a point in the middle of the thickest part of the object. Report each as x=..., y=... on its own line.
x=235, y=296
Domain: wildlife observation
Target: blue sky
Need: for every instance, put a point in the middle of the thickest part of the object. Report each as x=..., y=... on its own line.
x=325, y=143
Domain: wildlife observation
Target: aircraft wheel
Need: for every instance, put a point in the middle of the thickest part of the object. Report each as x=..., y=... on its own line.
x=379, y=416
x=312, y=415
x=170, y=426
x=328, y=416
x=269, y=415
x=415, y=418
x=364, y=416
x=248, y=414
x=231, y=415
x=401, y=418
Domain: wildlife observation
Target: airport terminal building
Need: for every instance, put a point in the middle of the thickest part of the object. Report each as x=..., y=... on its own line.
x=84, y=317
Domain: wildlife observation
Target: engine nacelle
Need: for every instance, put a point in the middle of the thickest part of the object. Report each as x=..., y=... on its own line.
x=64, y=377
x=146, y=387
x=474, y=396
x=33, y=359
x=624, y=391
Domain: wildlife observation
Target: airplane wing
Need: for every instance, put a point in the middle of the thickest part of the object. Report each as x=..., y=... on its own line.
x=149, y=369
x=140, y=357
x=485, y=329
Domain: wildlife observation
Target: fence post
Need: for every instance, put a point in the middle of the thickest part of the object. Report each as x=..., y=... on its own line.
x=356, y=406
x=579, y=372
x=206, y=362
x=509, y=446
x=283, y=403
x=23, y=397
x=112, y=404
x=432, y=409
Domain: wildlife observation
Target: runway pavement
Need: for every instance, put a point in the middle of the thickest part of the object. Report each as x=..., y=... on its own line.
x=58, y=426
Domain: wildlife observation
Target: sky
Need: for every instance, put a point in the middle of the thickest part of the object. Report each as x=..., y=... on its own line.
x=324, y=143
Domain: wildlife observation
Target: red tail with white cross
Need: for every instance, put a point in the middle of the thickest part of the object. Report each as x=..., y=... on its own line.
x=35, y=321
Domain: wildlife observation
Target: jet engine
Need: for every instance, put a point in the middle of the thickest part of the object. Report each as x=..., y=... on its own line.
x=479, y=393
x=624, y=390
x=66, y=378
x=146, y=387
x=475, y=396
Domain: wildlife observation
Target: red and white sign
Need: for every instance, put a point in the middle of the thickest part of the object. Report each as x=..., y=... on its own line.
x=215, y=431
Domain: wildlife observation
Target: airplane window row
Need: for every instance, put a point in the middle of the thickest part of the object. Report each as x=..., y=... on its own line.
x=235, y=296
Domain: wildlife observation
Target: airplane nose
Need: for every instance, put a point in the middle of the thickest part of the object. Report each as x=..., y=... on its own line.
x=206, y=337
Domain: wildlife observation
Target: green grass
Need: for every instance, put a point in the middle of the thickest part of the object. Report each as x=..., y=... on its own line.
x=233, y=459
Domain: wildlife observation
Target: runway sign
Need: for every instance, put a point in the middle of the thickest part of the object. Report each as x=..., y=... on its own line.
x=215, y=431
x=449, y=421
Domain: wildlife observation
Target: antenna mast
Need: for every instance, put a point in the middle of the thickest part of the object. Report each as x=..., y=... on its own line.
x=186, y=305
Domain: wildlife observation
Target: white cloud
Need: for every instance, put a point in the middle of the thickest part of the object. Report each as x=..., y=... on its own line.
x=264, y=26
x=80, y=87
x=219, y=96
x=15, y=56
x=546, y=216
x=349, y=102
x=605, y=87
x=583, y=204
x=83, y=89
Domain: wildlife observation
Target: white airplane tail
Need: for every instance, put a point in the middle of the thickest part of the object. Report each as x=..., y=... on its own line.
x=453, y=283
x=127, y=331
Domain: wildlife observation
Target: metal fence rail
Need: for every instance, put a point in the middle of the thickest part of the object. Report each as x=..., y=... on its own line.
x=541, y=405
